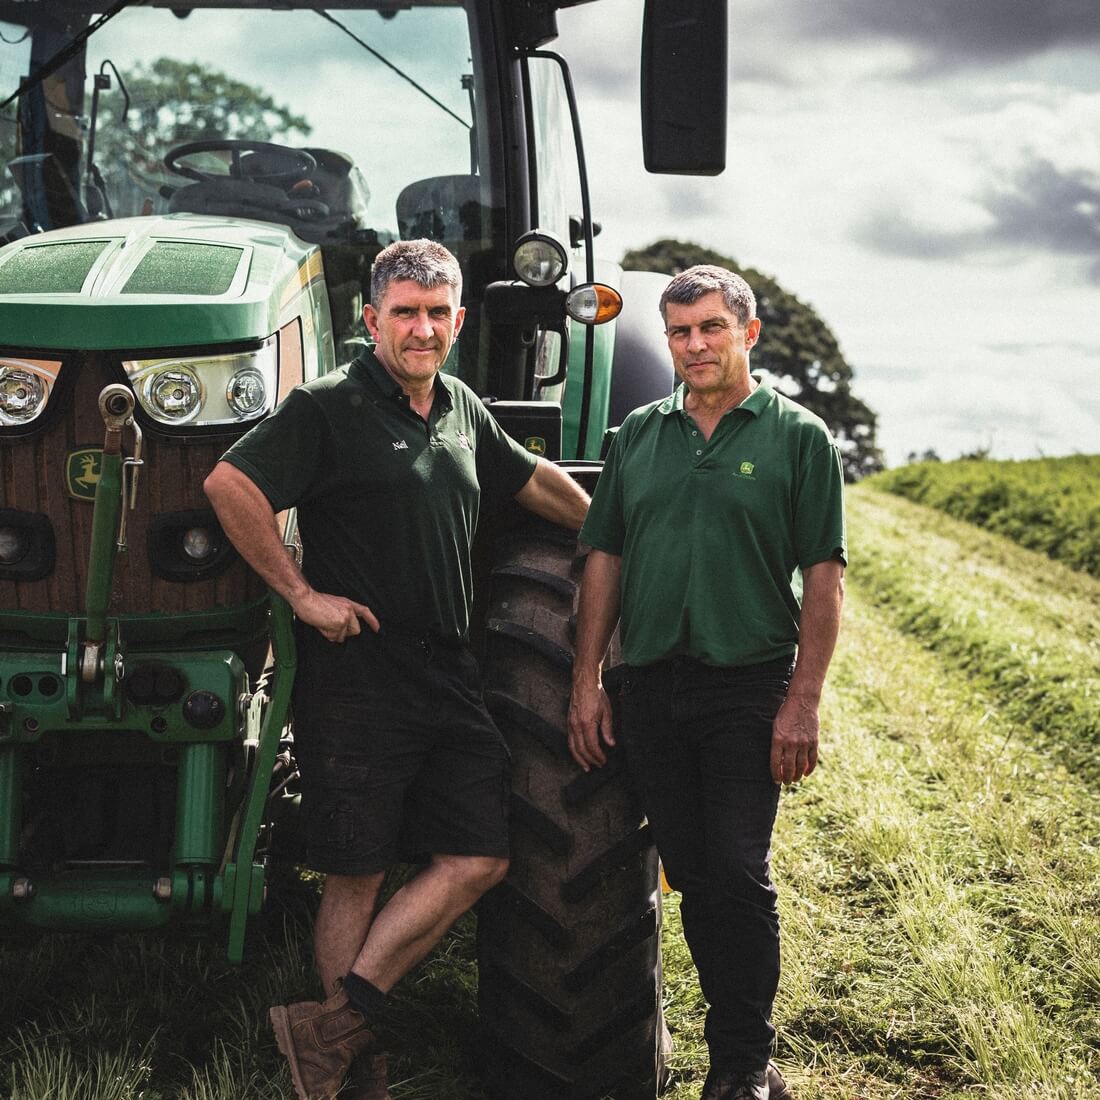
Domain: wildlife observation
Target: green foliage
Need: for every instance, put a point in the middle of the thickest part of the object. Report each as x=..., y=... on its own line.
x=1046, y=504
x=796, y=347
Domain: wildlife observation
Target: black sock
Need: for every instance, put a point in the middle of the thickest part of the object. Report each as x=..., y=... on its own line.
x=367, y=999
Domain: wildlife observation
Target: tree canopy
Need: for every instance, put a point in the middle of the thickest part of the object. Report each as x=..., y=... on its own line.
x=796, y=348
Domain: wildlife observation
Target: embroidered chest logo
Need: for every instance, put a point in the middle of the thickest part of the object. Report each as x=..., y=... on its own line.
x=746, y=470
x=464, y=441
x=400, y=445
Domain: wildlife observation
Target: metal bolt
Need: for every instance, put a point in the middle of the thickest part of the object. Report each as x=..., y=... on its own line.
x=162, y=889
x=22, y=889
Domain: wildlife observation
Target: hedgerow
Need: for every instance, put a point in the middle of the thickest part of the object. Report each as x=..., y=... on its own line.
x=1047, y=504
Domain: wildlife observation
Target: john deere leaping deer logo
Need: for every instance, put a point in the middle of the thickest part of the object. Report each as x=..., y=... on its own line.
x=82, y=472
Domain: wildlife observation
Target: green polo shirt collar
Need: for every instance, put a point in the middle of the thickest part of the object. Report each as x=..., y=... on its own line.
x=755, y=403
x=367, y=368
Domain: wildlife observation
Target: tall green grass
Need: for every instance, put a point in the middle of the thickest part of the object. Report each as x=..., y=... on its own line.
x=1046, y=504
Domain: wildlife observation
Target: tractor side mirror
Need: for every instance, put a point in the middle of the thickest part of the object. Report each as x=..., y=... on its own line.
x=684, y=86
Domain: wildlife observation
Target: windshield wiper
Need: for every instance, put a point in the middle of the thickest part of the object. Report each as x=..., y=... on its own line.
x=385, y=61
x=66, y=52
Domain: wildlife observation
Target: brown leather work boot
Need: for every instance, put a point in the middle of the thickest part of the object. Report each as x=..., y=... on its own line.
x=777, y=1087
x=367, y=1079
x=320, y=1041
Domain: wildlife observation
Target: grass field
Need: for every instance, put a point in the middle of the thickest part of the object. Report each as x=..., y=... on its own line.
x=1046, y=504
x=939, y=877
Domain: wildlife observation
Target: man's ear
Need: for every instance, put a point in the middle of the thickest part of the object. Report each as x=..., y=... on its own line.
x=370, y=319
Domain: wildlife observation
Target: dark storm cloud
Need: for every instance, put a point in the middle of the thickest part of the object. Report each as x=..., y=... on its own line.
x=955, y=30
x=1041, y=208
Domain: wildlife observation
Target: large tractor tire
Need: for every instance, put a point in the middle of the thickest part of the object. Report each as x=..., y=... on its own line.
x=569, y=944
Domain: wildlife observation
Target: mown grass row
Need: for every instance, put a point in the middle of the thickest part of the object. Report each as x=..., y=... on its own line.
x=939, y=887
x=1046, y=504
x=939, y=873
x=1015, y=623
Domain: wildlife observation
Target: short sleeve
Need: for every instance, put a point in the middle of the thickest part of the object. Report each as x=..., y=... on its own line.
x=284, y=453
x=819, y=523
x=503, y=466
x=604, y=526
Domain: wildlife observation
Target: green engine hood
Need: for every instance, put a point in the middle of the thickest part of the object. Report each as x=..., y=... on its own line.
x=153, y=282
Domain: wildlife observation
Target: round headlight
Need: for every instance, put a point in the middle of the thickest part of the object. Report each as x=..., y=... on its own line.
x=197, y=543
x=539, y=258
x=22, y=395
x=174, y=396
x=246, y=393
x=13, y=545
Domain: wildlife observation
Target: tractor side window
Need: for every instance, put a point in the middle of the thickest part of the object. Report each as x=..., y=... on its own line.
x=556, y=198
x=556, y=171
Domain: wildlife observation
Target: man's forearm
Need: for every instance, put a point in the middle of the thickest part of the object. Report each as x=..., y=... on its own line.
x=551, y=493
x=819, y=625
x=597, y=614
x=249, y=522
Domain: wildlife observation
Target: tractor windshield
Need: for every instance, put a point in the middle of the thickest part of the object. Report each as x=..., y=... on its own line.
x=351, y=127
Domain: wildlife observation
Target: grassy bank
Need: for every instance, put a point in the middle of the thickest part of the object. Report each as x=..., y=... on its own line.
x=1046, y=504
x=939, y=876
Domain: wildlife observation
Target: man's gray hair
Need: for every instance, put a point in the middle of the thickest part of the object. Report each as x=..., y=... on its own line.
x=426, y=263
x=690, y=285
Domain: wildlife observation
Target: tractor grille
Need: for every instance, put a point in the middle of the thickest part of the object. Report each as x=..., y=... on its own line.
x=33, y=480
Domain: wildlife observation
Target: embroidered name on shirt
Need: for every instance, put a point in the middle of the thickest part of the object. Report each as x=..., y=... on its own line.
x=400, y=445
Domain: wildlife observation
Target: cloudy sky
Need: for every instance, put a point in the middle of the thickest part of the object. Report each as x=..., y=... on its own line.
x=924, y=173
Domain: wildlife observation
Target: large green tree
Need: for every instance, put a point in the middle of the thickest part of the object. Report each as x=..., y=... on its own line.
x=796, y=348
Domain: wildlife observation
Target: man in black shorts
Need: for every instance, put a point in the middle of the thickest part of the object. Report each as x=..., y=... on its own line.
x=386, y=461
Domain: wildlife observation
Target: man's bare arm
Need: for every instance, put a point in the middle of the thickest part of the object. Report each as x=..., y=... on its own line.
x=797, y=725
x=551, y=493
x=597, y=615
x=248, y=520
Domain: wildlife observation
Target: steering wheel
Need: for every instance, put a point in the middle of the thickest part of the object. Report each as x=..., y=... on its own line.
x=269, y=162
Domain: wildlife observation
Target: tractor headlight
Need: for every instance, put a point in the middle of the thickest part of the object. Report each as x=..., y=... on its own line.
x=13, y=545
x=25, y=386
x=539, y=258
x=209, y=389
x=198, y=544
x=172, y=395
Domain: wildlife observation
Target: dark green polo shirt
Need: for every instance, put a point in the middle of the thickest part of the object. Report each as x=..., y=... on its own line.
x=712, y=533
x=387, y=504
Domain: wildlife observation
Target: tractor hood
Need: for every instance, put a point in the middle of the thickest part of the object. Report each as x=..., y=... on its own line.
x=154, y=282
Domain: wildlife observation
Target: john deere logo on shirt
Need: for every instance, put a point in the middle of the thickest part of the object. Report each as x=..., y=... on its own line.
x=535, y=444
x=464, y=441
x=82, y=470
x=746, y=470
x=400, y=445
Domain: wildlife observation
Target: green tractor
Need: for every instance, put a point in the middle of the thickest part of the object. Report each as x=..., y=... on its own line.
x=193, y=197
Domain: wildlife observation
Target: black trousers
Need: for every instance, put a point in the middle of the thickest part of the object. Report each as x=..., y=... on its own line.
x=698, y=742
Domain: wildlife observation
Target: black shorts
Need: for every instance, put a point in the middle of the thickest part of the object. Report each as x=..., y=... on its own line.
x=398, y=755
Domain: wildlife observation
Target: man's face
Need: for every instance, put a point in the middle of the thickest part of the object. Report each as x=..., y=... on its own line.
x=413, y=329
x=710, y=350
